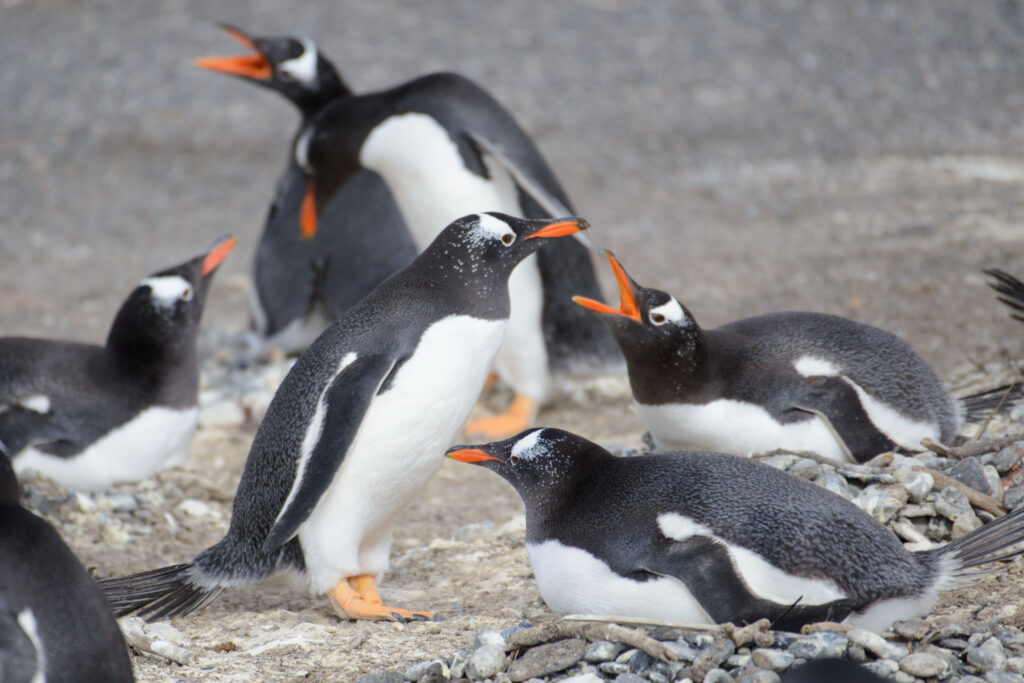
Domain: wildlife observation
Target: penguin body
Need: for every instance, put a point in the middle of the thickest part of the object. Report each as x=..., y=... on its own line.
x=445, y=148
x=359, y=425
x=55, y=624
x=792, y=380
x=302, y=283
x=707, y=537
x=89, y=416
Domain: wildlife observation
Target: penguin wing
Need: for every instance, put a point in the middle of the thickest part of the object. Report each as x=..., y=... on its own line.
x=339, y=414
x=20, y=657
x=21, y=427
x=707, y=569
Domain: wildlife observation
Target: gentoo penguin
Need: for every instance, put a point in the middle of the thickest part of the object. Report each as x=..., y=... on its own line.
x=445, y=148
x=88, y=416
x=794, y=380
x=55, y=624
x=702, y=537
x=358, y=426
x=1011, y=289
x=302, y=283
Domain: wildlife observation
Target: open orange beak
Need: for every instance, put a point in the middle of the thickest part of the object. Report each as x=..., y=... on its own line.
x=217, y=255
x=471, y=455
x=560, y=229
x=254, y=66
x=307, y=216
x=627, y=305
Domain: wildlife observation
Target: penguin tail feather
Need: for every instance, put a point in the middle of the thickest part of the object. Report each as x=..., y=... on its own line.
x=1001, y=539
x=159, y=593
x=980, y=406
x=1012, y=291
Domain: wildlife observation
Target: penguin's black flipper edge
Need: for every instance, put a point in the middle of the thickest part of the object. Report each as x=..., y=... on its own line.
x=20, y=428
x=346, y=400
x=19, y=658
x=706, y=568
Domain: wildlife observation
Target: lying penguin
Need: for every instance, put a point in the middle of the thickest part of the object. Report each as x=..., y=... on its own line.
x=701, y=537
x=358, y=426
x=793, y=380
x=89, y=416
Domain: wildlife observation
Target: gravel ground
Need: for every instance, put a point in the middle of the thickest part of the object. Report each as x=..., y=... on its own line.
x=860, y=158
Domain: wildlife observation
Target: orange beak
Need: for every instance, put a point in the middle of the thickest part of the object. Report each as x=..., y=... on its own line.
x=471, y=455
x=254, y=66
x=560, y=229
x=627, y=305
x=217, y=255
x=307, y=217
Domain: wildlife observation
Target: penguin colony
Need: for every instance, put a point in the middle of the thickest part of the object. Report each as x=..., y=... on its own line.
x=481, y=264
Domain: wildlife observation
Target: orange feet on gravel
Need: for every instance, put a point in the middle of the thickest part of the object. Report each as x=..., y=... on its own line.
x=357, y=598
x=515, y=420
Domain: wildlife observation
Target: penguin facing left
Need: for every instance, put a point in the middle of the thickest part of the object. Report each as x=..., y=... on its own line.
x=89, y=416
x=303, y=282
x=55, y=624
x=702, y=537
x=358, y=426
x=793, y=380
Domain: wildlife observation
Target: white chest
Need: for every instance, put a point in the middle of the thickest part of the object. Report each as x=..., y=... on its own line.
x=154, y=439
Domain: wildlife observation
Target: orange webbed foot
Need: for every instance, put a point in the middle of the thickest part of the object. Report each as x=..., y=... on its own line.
x=357, y=598
x=517, y=418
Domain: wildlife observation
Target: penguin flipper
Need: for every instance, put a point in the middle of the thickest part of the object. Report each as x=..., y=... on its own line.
x=705, y=566
x=836, y=402
x=20, y=659
x=21, y=428
x=345, y=401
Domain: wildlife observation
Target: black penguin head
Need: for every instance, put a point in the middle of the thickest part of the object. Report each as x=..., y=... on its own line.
x=540, y=463
x=292, y=66
x=649, y=325
x=164, y=309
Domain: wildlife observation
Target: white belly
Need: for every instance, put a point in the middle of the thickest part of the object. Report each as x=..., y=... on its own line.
x=400, y=444
x=154, y=439
x=432, y=187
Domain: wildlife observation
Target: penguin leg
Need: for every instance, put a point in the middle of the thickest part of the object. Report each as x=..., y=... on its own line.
x=492, y=377
x=518, y=416
x=357, y=598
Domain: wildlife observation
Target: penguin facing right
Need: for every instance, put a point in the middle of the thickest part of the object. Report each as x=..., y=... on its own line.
x=55, y=624
x=702, y=537
x=304, y=282
x=792, y=380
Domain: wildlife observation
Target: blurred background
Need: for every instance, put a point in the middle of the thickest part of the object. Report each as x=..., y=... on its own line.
x=863, y=158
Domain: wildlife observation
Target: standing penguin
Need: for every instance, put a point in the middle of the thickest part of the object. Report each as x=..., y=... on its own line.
x=303, y=282
x=55, y=624
x=358, y=426
x=89, y=416
x=794, y=380
x=446, y=148
x=704, y=537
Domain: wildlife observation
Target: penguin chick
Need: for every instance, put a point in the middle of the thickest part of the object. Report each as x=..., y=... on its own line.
x=55, y=624
x=702, y=537
x=89, y=416
x=303, y=282
x=793, y=380
x=358, y=426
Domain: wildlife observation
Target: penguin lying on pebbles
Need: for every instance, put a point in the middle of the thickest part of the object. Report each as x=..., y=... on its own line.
x=703, y=537
x=1011, y=289
x=55, y=624
x=302, y=283
x=88, y=416
x=446, y=148
x=797, y=381
x=358, y=426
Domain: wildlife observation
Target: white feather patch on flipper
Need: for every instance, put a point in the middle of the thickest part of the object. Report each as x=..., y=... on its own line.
x=27, y=622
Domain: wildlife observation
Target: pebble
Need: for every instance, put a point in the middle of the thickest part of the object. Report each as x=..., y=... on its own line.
x=717, y=676
x=546, y=659
x=987, y=656
x=614, y=668
x=780, y=462
x=1007, y=458
x=488, y=636
x=584, y=678
x=1003, y=677
x=485, y=661
x=836, y=483
x=630, y=678
x=911, y=629
x=995, y=484
x=969, y=471
x=382, y=677
x=883, y=667
x=122, y=502
x=420, y=669
x=759, y=676
x=776, y=660
x=681, y=649
x=606, y=651
x=876, y=644
x=1015, y=665
x=881, y=507
x=1013, y=497
x=805, y=469
x=917, y=484
x=819, y=645
x=923, y=665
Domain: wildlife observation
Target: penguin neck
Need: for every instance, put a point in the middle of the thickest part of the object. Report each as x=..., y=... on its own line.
x=441, y=276
x=329, y=89
x=666, y=374
x=433, y=179
x=164, y=367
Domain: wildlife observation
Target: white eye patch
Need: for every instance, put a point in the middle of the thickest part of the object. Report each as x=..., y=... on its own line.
x=493, y=228
x=526, y=447
x=168, y=289
x=303, y=67
x=671, y=311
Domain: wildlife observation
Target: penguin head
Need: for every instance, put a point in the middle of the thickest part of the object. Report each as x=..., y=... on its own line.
x=649, y=323
x=539, y=462
x=292, y=66
x=167, y=304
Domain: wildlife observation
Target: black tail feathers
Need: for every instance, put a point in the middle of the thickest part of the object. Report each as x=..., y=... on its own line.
x=1012, y=291
x=158, y=594
x=980, y=406
x=998, y=540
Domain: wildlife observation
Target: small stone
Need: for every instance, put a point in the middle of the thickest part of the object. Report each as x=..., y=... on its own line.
x=488, y=636
x=588, y=677
x=1007, y=458
x=1013, y=497
x=122, y=502
x=437, y=672
x=717, y=676
x=805, y=469
x=640, y=662
x=882, y=667
x=196, y=508
x=988, y=656
x=627, y=655
x=969, y=471
x=700, y=640
x=1015, y=665
x=712, y=657
x=547, y=659
x=613, y=668
x=932, y=461
x=681, y=649
x=776, y=660
x=995, y=484
x=819, y=645
x=911, y=629
x=630, y=678
x=938, y=529
x=923, y=510
x=965, y=525
x=485, y=661
x=604, y=651
x=382, y=677
x=857, y=653
x=906, y=530
x=876, y=644
x=882, y=508
x=923, y=665
x=84, y=502
x=903, y=677
x=737, y=661
x=1003, y=677
x=917, y=484
x=420, y=669
x=836, y=483
x=759, y=676
x=780, y=462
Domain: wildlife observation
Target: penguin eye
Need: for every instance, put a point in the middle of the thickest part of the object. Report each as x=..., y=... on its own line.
x=514, y=460
x=508, y=238
x=657, y=318
x=186, y=295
